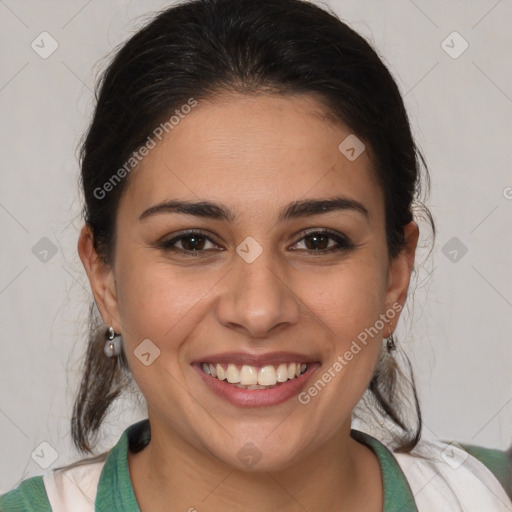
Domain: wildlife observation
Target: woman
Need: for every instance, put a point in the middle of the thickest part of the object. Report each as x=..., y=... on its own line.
x=249, y=178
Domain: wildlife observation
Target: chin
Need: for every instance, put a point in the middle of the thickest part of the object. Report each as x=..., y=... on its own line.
x=256, y=456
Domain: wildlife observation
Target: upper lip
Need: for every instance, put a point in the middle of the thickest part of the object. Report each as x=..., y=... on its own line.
x=256, y=359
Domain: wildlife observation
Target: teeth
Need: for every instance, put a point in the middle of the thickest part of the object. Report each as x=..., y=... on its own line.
x=221, y=373
x=232, y=374
x=282, y=373
x=253, y=386
x=251, y=377
x=267, y=376
x=248, y=376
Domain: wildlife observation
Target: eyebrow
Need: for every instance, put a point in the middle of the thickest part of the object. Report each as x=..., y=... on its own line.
x=296, y=209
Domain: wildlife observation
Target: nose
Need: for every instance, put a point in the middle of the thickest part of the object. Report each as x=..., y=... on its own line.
x=257, y=299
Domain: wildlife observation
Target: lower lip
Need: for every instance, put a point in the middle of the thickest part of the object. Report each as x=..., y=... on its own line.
x=282, y=392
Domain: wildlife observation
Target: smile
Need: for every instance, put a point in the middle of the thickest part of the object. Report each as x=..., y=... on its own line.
x=253, y=377
x=260, y=384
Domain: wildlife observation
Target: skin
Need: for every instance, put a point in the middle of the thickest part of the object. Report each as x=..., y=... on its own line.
x=254, y=155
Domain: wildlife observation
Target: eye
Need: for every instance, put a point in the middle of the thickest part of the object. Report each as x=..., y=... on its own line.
x=318, y=241
x=192, y=243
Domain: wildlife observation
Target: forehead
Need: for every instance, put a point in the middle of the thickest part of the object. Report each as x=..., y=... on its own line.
x=254, y=153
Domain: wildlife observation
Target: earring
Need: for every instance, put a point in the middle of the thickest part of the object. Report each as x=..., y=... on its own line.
x=113, y=344
x=391, y=345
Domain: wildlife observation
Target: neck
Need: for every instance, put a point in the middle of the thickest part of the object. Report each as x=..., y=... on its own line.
x=340, y=475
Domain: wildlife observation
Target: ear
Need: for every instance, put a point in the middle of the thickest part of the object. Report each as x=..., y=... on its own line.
x=399, y=274
x=101, y=279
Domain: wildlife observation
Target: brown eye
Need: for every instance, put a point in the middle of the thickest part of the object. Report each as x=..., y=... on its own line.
x=320, y=241
x=192, y=243
x=317, y=241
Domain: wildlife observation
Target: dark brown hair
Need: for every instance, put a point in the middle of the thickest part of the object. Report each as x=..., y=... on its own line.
x=200, y=48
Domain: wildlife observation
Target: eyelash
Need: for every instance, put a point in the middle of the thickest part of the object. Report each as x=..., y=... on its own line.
x=344, y=244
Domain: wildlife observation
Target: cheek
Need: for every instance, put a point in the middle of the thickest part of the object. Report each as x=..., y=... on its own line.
x=349, y=299
x=159, y=302
x=348, y=303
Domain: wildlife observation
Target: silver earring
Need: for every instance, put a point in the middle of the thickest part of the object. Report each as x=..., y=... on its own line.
x=391, y=344
x=113, y=344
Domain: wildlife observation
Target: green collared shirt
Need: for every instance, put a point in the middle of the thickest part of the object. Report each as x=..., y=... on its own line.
x=115, y=491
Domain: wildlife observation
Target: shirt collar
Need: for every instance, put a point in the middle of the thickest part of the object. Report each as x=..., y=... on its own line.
x=115, y=491
x=398, y=496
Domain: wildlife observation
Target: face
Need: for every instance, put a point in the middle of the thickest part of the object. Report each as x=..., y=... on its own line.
x=259, y=281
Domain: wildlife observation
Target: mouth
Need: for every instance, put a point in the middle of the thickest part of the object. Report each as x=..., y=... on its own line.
x=255, y=381
x=254, y=377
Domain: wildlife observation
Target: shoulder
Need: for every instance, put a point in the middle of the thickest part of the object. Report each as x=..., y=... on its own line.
x=29, y=496
x=73, y=487
x=453, y=474
x=499, y=462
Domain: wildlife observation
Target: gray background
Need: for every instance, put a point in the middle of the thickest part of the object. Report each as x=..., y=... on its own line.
x=458, y=335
